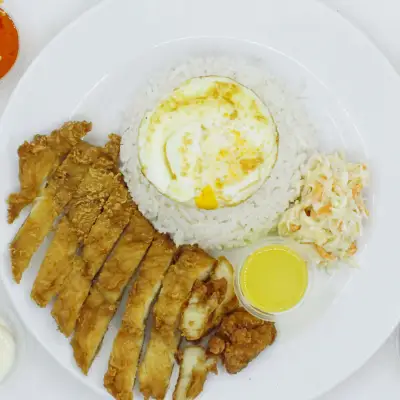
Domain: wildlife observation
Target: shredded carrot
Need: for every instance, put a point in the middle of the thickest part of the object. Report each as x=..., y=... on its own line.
x=294, y=227
x=352, y=249
x=310, y=212
x=324, y=254
x=327, y=209
x=313, y=214
x=356, y=190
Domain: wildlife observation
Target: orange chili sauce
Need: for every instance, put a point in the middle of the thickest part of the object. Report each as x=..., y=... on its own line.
x=9, y=43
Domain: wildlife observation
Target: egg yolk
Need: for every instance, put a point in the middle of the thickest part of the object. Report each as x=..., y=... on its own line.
x=207, y=200
x=274, y=279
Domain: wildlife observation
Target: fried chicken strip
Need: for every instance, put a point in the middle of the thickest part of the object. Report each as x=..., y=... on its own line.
x=127, y=256
x=205, y=299
x=89, y=200
x=100, y=241
x=241, y=338
x=52, y=201
x=86, y=205
x=209, y=302
x=39, y=159
x=156, y=368
x=195, y=365
x=105, y=294
x=108, y=228
x=120, y=377
x=56, y=264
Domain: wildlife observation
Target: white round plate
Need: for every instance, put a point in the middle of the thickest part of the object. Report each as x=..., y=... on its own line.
x=353, y=95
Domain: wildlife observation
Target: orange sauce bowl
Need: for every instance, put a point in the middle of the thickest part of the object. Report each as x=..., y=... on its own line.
x=9, y=43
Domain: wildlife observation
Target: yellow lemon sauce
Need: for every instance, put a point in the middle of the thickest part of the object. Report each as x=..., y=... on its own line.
x=274, y=278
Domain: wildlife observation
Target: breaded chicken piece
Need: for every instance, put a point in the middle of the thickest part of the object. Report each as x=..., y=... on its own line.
x=39, y=159
x=126, y=257
x=108, y=228
x=57, y=263
x=73, y=294
x=105, y=294
x=120, y=377
x=84, y=208
x=156, y=368
x=225, y=270
x=241, y=338
x=51, y=203
x=100, y=241
x=206, y=297
x=89, y=200
x=195, y=365
x=95, y=316
x=209, y=302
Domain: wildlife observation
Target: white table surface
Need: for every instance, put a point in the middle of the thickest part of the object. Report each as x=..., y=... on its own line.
x=39, y=376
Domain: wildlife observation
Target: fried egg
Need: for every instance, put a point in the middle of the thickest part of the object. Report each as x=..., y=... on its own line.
x=211, y=143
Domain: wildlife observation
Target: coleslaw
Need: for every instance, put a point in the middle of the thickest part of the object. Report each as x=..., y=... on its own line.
x=330, y=210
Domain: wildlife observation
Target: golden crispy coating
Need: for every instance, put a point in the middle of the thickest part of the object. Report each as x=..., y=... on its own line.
x=224, y=270
x=93, y=192
x=98, y=244
x=241, y=338
x=95, y=316
x=56, y=264
x=126, y=257
x=204, y=300
x=120, y=377
x=156, y=368
x=52, y=201
x=84, y=208
x=38, y=160
x=108, y=228
x=195, y=365
x=209, y=302
x=104, y=296
x=73, y=294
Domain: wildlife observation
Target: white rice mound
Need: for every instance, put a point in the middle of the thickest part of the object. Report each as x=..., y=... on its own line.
x=256, y=217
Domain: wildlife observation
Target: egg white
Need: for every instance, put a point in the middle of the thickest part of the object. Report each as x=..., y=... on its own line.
x=211, y=132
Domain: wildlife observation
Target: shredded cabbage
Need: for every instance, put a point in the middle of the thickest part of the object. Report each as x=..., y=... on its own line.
x=330, y=210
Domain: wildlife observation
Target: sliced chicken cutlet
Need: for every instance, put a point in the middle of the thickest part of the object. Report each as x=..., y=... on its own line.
x=56, y=264
x=89, y=200
x=204, y=300
x=86, y=205
x=224, y=270
x=126, y=257
x=209, y=302
x=155, y=370
x=108, y=228
x=241, y=338
x=105, y=294
x=102, y=237
x=39, y=159
x=50, y=204
x=120, y=377
x=195, y=365
x=72, y=295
